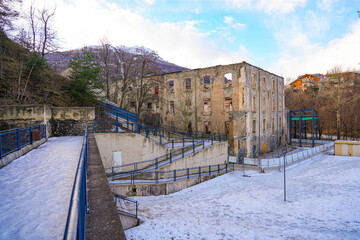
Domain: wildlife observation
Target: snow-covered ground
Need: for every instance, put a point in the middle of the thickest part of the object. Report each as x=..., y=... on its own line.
x=35, y=190
x=323, y=196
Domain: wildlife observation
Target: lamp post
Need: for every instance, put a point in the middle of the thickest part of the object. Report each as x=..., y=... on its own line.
x=284, y=151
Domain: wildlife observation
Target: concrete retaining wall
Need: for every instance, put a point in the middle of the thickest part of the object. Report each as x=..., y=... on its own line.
x=157, y=189
x=133, y=147
x=59, y=121
x=215, y=154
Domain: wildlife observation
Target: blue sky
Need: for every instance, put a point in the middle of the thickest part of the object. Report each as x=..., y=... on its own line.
x=287, y=37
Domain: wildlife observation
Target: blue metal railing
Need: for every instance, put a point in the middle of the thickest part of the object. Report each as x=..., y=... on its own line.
x=75, y=225
x=15, y=139
x=132, y=118
x=162, y=137
x=129, y=116
x=132, y=210
x=161, y=161
x=175, y=175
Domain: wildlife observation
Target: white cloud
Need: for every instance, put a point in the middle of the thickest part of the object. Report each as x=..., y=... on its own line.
x=314, y=58
x=269, y=6
x=85, y=22
x=326, y=5
x=228, y=20
x=318, y=25
x=150, y=2
x=231, y=22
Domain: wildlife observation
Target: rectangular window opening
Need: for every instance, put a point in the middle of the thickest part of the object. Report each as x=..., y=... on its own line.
x=253, y=81
x=171, y=107
x=227, y=77
x=188, y=83
x=228, y=104
x=207, y=106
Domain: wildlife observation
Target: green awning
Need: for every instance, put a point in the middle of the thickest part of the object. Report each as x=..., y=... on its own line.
x=302, y=118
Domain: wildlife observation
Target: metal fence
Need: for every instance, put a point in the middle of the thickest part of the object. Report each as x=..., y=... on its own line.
x=164, y=137
x=15, y=139
x=273, y=162
x=161, y=161
x=126, y=205
x=75, y=225
x=141, y=177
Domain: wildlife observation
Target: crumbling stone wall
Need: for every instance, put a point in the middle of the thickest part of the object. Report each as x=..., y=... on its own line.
x=240, y=99
x=59, y=121
x=71, y=121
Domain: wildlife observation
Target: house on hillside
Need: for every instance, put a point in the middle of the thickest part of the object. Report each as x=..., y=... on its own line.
x=240, y=99
x=306, y=81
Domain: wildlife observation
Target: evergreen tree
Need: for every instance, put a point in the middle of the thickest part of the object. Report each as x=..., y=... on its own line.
x=85, y=85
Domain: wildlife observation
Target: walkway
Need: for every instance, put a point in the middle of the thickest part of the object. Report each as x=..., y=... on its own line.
x=103, y=221
x=35, y=190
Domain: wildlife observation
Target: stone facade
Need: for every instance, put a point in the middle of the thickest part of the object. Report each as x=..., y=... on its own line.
x=243, y=100
x=240, y=99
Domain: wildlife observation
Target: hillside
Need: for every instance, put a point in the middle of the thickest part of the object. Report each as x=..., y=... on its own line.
x=60, y=60
x=26, y=78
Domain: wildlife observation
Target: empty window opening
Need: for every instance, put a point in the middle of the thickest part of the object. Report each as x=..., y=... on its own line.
x=228, y=104
x=171, y=84
x=264, y=104
x=206, y=82
x=133, y=104
x=254, y=126
x=206, y=79
x=227, y=77
x=273, y=85
x=253, y=104
x=264, y=83
x=156, y=88
x=264, y=126
x=207, y=106
x=280, y=122
x=149, y=105
x=171, y=107
x=188, y=83
x=273, y=104
x=253, y=81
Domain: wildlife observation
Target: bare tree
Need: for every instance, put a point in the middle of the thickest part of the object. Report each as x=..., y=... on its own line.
x=144, y=84
x=48, y=34
x=125, y=72
x=41, y=33
x=105, y=57
x=338, y=88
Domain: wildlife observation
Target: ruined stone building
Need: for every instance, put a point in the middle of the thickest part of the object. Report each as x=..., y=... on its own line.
x=240, y=99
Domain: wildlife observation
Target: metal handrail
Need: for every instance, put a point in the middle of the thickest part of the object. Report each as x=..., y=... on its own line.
x=75, y=224
x=177, y=174
x=21, y=139
x=117, y=197
x=157, y=162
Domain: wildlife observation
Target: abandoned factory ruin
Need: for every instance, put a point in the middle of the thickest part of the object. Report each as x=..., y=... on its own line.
x=240, y=99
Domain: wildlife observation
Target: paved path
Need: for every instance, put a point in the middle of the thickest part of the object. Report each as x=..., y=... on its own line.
x=103, y=221
x=35, y=190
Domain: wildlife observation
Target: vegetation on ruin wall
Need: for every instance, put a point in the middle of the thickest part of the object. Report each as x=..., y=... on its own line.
x=337, y=100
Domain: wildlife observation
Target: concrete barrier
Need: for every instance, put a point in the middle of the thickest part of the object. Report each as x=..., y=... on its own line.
x=16, y=154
